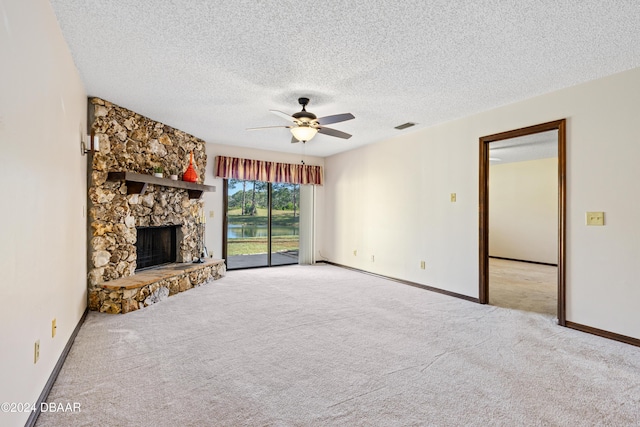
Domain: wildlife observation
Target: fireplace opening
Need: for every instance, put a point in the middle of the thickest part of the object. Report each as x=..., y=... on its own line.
x=156, y=246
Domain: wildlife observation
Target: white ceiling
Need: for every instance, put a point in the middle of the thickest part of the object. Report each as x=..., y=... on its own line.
x=536, y=146
x=214, y=68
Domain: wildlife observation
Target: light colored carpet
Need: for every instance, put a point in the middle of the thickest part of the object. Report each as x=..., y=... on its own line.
x=325, y=346
x=523, y=286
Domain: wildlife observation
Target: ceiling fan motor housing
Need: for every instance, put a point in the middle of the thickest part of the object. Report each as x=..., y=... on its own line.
x=304, y=114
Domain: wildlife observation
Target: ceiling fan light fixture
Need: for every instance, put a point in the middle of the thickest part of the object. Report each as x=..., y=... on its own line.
x=304, y=133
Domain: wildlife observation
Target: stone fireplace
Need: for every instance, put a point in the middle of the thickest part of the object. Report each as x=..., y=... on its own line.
x=123, y=214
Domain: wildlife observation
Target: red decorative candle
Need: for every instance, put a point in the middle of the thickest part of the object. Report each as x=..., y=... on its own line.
x=190, y=174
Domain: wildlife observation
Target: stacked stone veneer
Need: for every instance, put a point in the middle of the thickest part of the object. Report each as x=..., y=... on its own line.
x=130, y=142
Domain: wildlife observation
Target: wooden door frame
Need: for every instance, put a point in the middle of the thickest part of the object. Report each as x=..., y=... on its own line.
x=560, y=126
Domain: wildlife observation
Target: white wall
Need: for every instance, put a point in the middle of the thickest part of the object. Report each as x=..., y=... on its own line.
x=523, y=210
x=214, y=201
x=392, y=200
x=43, y=175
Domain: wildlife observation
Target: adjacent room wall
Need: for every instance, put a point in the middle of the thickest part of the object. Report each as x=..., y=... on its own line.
x=214, y=202
x=523, y=210
x=43, y=240
x=392, y=200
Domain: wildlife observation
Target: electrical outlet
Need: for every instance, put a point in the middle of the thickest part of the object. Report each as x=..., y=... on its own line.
x=423, y=265
x=595, y=218
x=210, y=214
x=355, y=253
x=53, y=328
x=36, y=352
x=373, y=258
x=453, y=197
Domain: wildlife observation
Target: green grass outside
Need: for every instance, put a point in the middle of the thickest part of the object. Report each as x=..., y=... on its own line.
x=259, y=245
x=278, y=218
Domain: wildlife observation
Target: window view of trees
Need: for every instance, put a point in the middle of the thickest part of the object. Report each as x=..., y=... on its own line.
x=247, y=214
x=247, y=199
x=249, y=196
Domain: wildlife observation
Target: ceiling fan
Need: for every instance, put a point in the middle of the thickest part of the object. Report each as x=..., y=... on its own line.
x=306, y=124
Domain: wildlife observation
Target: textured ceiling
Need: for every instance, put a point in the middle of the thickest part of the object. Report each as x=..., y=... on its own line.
x=215, y=68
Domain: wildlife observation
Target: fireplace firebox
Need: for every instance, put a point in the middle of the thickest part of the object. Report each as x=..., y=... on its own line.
x=156, y=246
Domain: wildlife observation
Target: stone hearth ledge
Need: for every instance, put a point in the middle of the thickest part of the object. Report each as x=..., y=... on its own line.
x=151, y=286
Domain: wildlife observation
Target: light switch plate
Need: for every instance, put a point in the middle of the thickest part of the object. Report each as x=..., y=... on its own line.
x=595, y=218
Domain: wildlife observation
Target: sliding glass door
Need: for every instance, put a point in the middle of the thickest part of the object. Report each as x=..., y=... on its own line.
x=261, y=224
x=285, y=223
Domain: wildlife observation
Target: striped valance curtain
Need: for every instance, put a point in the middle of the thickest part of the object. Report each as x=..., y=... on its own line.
x=259, y=170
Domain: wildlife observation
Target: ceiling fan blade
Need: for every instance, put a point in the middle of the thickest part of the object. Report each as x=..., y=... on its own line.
x=283, y=115
x=294, y=140
x=336, y=118
x=268, y=127
x=334, y=132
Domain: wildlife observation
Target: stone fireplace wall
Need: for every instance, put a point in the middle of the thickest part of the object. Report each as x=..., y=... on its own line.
x=133, y=143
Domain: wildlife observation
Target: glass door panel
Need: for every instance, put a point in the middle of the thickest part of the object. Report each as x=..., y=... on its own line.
x=285, y=220
x=247, y=231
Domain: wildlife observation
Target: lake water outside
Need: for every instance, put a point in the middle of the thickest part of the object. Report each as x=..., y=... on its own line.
x=242, y=231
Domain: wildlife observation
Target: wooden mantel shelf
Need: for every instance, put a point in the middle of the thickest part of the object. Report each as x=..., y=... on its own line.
x=137, y=183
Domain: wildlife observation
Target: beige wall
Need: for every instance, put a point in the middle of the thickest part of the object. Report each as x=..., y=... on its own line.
x=215, y=201
x=43, y=240
x=523, y=210
x=391, y=200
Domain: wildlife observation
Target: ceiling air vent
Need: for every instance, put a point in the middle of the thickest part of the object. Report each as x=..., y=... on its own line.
x=405, y=125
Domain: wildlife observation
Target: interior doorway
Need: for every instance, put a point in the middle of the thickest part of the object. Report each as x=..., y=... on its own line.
x=511, y=264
